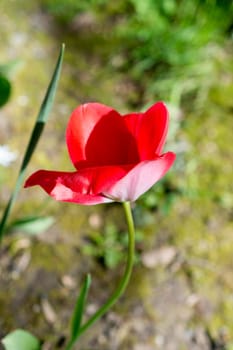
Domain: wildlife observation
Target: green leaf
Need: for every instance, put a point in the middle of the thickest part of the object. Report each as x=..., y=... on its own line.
x=78, y=311
x=10, y=68
x=32, y=225
x=79, y=307
x=5, y=90
x=21, y=340
x=35, y=135
x=112, y=257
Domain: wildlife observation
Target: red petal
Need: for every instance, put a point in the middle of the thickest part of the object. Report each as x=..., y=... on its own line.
x=140, y=178
x=97, y=136
x=66, y=187
x=84, y=186
x=149, y=129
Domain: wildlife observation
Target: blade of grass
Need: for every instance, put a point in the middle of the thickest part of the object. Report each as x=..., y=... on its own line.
x=78, y=312
x=35, y=135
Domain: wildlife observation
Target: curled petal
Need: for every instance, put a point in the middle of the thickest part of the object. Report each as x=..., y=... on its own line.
x=140, y=178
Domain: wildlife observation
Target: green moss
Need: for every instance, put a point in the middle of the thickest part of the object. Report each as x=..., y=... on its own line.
x=55, y=258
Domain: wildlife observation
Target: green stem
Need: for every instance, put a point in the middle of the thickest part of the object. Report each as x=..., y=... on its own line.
x=125, y=279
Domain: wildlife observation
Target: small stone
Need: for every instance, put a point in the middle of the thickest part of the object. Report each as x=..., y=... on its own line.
x=20, y=265
x=91, y=309
x=159, y=340
x=162, y=256
x=23, y=100
x=95, y=221
x=192, y=300
x=68, y=282
x=48, y=311
x=22, y=243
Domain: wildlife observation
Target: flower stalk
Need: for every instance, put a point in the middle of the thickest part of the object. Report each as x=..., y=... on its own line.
x=124, y=281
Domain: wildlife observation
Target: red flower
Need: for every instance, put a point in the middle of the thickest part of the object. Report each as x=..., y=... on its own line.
x=117, y=158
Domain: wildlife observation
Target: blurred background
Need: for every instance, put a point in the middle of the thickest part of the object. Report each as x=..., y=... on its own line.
x=127, y=54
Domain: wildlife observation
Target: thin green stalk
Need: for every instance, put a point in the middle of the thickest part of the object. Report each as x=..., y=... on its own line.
x=124, y=281
x=34, y=138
